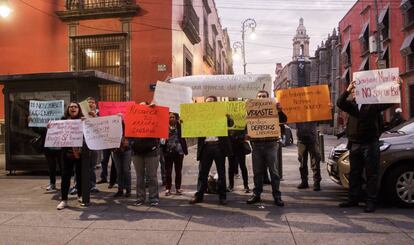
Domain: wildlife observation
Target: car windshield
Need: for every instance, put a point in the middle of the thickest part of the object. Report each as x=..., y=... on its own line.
x=405, y=128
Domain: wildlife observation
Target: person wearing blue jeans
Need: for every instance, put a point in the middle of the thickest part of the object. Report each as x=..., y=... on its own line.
x=106, y=155
x=122, y=160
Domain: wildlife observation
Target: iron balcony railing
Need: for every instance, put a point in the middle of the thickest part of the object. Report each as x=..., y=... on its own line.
x=97, y=4
x=191, y=24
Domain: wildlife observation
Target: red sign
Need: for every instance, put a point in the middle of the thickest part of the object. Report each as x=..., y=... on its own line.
x=142, y=121
x=113, y=108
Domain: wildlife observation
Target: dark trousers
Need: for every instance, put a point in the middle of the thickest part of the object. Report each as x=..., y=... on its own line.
x=311, y=149
x=54, y=159
x=364, y=156
x=238, y=159
x=67, y=171
x=211, y=152
x=264, y=156
x=104, y=164
x=175, y=159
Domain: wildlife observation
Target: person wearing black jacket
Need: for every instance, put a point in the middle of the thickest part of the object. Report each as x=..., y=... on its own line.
x=363, y=131
x=208, y=150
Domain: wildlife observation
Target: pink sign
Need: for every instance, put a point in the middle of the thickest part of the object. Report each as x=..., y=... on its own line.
x=113, y=108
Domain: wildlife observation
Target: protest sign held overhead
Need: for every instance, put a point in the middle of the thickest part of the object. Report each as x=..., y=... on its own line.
x=262, y=118
x=377, y=86
x=172, y=95
x=306, y=104
x=64, y=133
x=234, y=86
x=204, y=119
x=237, y=111
x=142, y=121
x=41, y=112
x=103, y=132
x=113, y=108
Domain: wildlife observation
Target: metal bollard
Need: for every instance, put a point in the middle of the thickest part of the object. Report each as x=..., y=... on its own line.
x=280, y=160
x=321, y=146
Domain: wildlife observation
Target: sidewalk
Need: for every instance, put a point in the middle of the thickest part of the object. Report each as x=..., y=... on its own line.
x=28, y=215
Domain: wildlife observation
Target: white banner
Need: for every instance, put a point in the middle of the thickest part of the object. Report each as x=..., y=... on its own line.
x=377, y=86
x=172, y=96
x=64, y=133
x=41, y=112
x=103, y=132
x=233, y=86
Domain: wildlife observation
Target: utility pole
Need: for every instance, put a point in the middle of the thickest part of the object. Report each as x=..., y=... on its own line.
x=380, y=63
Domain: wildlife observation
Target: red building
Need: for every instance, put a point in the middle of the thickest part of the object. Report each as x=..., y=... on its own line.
x=141, y=41
x=358, y=31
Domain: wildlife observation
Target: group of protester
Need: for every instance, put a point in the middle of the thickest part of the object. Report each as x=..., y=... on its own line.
x=363, y=131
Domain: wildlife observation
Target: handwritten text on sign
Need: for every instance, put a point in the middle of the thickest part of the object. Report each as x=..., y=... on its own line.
x=172, y=95
x=142, y=121
x=237, y=111
x=103, y=132
x=306, y=104
x=262, y=118
x=204, y=119
x=377, y=86
x=113, y=108
x=41, y=112
x=64, y=133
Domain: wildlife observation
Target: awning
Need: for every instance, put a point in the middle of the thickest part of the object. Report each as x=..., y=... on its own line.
x=383, y=14
x=345, y=47
x=405, y=5
x=344, y=75
x=363, y=63
x=363, y=30
x=406, y=48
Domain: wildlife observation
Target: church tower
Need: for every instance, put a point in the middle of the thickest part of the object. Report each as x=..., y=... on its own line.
x=301, y=43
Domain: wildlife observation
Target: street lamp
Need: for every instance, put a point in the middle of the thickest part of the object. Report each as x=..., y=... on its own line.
x=5, y=10
x=248, y=24
x=237, y=47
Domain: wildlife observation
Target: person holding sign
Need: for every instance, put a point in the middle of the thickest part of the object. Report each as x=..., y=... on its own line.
x=211, y=149
x=363, y=130
x=93, y=155
x=174, y=149
x=71, y=158
x=264, y=156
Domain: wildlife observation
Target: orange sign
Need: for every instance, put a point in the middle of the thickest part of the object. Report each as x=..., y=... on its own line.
x=306, y=104
x=142, y=121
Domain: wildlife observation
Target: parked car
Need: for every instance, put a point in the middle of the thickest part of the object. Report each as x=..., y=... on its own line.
x=287, y=138
x=396, y=173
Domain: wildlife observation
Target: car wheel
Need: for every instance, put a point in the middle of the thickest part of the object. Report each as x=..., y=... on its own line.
x=399, y=185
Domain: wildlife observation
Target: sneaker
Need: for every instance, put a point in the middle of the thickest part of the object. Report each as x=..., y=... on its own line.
x=102, y=181
x=316, y=186
x=138, y=203
x=247, y=190
x=62, y=205
x=80, y=199
x=154, y=203
x=279, y=202
x=73, y=191
x=94, y=190
x=303, y=185
x=110, y=186
x=51, y=187
x=118, y=194
x=167, y=192
x=179, y=192
x=370, y=207
x=230, y=189
x=253, y=199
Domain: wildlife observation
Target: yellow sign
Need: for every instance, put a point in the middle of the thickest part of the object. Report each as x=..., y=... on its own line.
x=237, y=111
x=306, y=104
x=262, y=118
x=204, y=119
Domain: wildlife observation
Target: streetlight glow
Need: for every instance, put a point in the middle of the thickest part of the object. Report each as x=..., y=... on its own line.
x=5, y=10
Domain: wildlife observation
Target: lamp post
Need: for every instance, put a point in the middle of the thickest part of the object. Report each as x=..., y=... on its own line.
x=5, y=10
x=247, y=24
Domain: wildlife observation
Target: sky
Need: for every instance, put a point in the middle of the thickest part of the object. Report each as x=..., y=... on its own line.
x=277, y=21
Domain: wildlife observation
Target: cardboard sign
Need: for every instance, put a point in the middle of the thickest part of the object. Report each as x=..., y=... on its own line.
x=204, y=119
x=237, y=111
x=85, y=108
x=234, y=86
x=41, y=112
x=64, y=133
x=306, y=104
x=262, y=118
x=377, y=86
x=172, y=95
x=142, y=121
x=103, y=132
x=113, y=108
